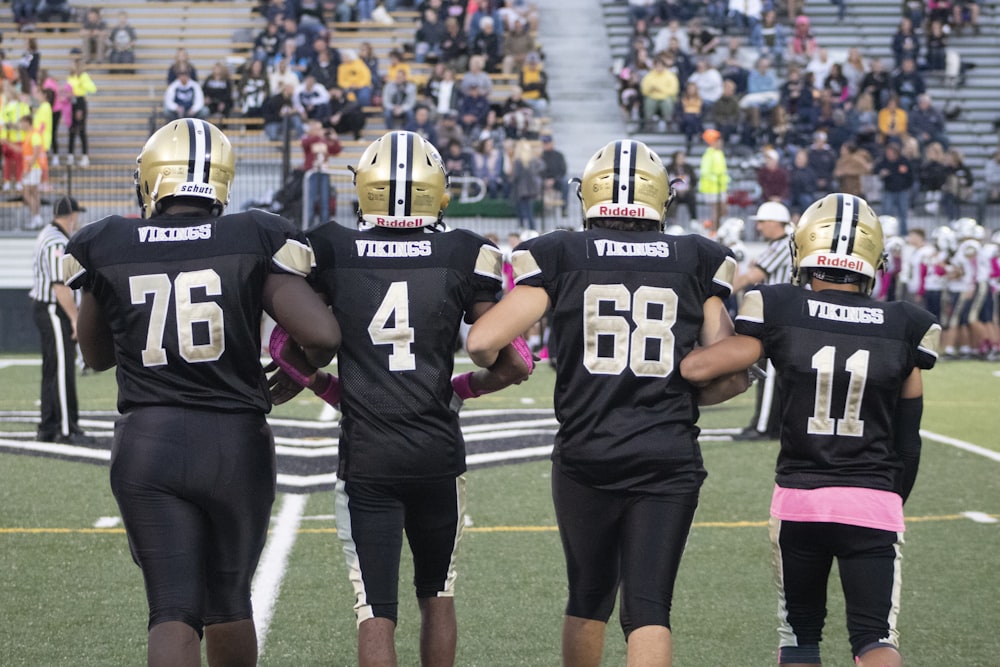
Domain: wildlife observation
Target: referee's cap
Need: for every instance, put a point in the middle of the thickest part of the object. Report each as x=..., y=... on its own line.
x=66, y=205
x=772, y=210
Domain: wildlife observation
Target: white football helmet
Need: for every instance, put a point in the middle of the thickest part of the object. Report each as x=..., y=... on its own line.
x=731, y=231
x=944, y=238
x=890, y=225
x=965, y=228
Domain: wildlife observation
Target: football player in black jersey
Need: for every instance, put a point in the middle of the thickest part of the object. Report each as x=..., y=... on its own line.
x=400, y=286
x=849, y=367
x=627, y=303
x=175, y=301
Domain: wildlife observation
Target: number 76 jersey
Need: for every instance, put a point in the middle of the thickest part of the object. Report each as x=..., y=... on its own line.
x=842, y=358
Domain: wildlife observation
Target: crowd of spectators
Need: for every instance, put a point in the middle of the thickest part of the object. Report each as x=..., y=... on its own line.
x=818, y=121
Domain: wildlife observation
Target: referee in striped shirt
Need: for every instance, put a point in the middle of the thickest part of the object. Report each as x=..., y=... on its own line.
x=54, y=312
x=772, y=267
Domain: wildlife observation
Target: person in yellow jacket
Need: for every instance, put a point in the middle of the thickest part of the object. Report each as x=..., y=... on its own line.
x=82, y=86
x=660, y=88
x=713, y=178
x=354, y=77
x=42, y=122
x=35, y=164
x=15, y=107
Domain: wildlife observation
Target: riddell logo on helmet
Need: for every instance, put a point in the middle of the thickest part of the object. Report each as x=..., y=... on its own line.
x=839, y=262
x=398, y=222
x=622, y=211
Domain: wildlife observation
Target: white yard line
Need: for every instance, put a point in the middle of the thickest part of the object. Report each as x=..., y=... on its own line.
x=961, y=444
x=274, y=563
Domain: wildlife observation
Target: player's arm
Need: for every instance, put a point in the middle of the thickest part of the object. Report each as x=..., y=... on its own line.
x=906, y=429
x=303, y=314
x=64, y=297
x=718, y=326
x=752, y=276
x=512, y=364
x=501, y=324
x=729, y=355
x=94, y=334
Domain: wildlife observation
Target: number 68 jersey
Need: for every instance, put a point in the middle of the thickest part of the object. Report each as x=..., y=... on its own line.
x=850, y=355
x=182, y=295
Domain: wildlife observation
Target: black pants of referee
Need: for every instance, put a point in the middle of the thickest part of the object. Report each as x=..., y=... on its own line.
x=59, y=408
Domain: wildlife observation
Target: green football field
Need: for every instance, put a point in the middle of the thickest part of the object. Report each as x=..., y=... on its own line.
x=70, y=594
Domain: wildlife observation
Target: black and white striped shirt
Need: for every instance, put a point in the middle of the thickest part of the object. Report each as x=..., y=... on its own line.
x=776, y=262
x=47, y=269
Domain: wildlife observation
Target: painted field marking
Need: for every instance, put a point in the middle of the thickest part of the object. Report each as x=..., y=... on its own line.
x=108, y=522
x=979, y=517
x=274, y=563
x=961, y=444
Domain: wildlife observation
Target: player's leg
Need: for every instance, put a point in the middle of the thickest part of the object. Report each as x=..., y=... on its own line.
x=370, y=526
x=802, y=563
x=588, y=528
x=655, y=532
x=434, y=520
x=238, y=448
x=869, y=563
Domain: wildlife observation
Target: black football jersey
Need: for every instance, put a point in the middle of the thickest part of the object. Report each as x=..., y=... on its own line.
x=842, y=358
x=626, y=308
x=400, y=297
x=182, y=295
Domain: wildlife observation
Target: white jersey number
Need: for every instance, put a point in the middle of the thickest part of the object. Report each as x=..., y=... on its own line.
x=395, y=307
x=851, y=424
x=653, y=311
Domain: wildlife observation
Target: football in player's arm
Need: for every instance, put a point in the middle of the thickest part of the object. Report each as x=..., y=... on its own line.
x=850, y=369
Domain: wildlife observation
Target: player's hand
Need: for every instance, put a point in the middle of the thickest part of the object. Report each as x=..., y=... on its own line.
x=283, y=388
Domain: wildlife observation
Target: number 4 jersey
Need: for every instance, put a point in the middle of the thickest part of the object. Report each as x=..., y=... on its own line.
x=626, y=308
x=850, y=355
x=182, y=295
x=399, y=296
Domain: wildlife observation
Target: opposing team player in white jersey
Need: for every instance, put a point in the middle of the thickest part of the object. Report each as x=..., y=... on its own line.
x=850, y=369
x=627, y=303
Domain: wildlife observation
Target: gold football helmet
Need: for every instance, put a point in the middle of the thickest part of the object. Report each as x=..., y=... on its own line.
x=625, y=179
x=185, y=158
x=401, y=182
x=839, y=231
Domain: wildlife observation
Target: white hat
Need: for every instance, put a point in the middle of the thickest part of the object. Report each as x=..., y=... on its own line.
x=772, y=210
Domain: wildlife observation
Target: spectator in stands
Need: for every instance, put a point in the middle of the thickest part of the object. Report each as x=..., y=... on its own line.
x=318, y=145
x=94, y=35
x=25, y=13
x=441, y=90
x=354, y=77
x=853, y=165
x=673, y=29
x=518, y=42
x=476, y=11
x=487, y=44
x=422, y=124
x=965, y=13
x=184, y=98
x=803, y=184
x=396, y=63
x=367, y=55
x=709, y=83
x=836, y=82
x=268, y=42
x=526, y=182
x=346, y=116
x=488, y=165
x=839, y=131
x=726, y=113
x=455, y=45
x=770, y=37
x=62, y=110
x=937, y=46
x=312, y=99
x=253, y=90
x=555, y=172
x=323, y=66
x=430, y=34
x=702, y=40
x=630, y=98
x=517, y=115
x=762, y=91
x=82, y=85
x=218, y=92
x=905, y=44
x=931, y=176
x=713, y=178
x=29, y=64
x=15, y=106
x=660, y=89
x=732, y=68
x=477, y=77
x=802, y=46
x=876, y=82
x=457, y=160
x=773, y=178
x=991, y=179
x=642, y=9
x=914, y=10
x=682, y=175
x=690, y=123
x=897, y=177
x=472, y=110
x=958, y=187
x=908, y=84
x=927, y=123
x=853, y=69
x=820, y=66
x=181, y=61
x=448, y=130
x=794, y=91
x=892, y=120
x=399, y=97
x=278, y=111
x=822, y=160
x=122, y=40
x=533, y=82
x=290, y=55
x=54, y=11
x=939, y=10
